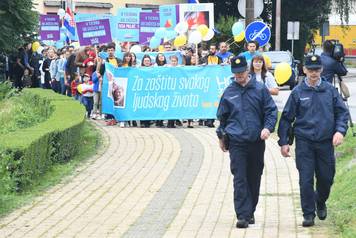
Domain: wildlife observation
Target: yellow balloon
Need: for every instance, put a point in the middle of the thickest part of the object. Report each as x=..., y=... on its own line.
x=180, y=41
x=203, y=29
x=80, y=88
x=240, y=37
x=35, y=46
x=267, y=61
x=282, y=72
x=161, y=48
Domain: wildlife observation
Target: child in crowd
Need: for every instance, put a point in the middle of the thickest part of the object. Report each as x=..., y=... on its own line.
x=88, y=94
x=74, y=84
x=97, y=84
x=89, y=63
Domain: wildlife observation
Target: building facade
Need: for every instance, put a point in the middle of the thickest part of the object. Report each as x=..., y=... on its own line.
x=99, y=6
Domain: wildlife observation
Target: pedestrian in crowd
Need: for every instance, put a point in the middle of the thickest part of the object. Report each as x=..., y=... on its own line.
x=210, y=59
x=87, y=94
x=146, y=62
x=133, y=60
x=223, y=53
x=100, y=70
x=331, y=66
x=74, y=85
x=70, y=69
x=167, y=46
x=160, y=60
x=46, y=68
x=247, y=115
x=317, y=116
x=126, y=61
x=259, y=68
x=97, y=87
x=53, y=69
x=251, y=51
x=89, y=64
x=34, y=62
x=80, y=57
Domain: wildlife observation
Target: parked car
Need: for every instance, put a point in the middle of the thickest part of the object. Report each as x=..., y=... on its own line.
x=285, y=56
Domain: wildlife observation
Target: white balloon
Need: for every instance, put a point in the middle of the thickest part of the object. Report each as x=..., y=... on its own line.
x=61, y=12
x=39, y=50
x=195, y=37
x=181, y=27
x=209, y=35
x=135, y=49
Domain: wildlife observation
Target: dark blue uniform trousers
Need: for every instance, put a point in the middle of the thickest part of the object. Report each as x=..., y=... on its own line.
x=314, y=158
x=246, y=164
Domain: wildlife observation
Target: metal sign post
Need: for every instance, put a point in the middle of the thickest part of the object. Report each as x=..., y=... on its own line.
x=293, y=32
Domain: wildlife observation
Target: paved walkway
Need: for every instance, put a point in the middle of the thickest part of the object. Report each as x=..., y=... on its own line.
x=161, y=183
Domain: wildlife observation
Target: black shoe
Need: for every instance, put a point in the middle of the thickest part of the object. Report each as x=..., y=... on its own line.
x=252, y=220
x=321, y=211
x=210, y=125
x=242, y=223
x=308, y=221
x=179, y=123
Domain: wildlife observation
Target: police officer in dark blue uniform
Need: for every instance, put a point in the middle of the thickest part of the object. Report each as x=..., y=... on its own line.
x=247, y=116
x=318, y=117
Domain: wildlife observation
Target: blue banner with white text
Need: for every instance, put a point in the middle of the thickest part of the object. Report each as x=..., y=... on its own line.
x=160, y=93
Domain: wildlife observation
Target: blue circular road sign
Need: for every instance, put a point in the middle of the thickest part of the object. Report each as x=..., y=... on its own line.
x=258, y=31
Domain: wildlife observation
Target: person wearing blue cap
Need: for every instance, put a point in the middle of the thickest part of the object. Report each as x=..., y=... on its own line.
x=247, y=115
x=316, y=115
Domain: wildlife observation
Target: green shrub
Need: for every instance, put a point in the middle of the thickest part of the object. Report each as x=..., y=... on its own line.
x=22, y=111
x=5, y=88
x=28, y=153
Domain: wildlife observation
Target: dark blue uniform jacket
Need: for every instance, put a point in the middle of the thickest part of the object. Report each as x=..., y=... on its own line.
x=244, y=111
x=317, y=113
x=331, y=67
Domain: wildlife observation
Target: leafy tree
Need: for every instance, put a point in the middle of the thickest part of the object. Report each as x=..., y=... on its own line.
x=310, y=13
x=18, y=22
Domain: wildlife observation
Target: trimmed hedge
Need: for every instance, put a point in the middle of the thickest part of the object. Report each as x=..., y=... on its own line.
x=28, y=153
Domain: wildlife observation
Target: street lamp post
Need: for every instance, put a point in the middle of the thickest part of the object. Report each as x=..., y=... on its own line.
x=250, y=11
x=278, y=25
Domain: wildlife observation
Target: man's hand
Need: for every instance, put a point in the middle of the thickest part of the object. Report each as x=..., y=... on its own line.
x=338, y=139
x=285, y=151
x=222, y=146
x=265, y=134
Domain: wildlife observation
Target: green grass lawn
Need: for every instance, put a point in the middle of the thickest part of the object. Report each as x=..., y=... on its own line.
x=342, y=202
x=91, y=141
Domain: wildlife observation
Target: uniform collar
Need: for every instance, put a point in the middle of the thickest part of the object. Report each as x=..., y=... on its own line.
x=319, y=87
x=250, y=84
x=307, y=83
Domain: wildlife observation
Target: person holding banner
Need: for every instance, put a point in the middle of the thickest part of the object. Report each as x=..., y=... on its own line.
x=100, y=70
x=146, y=62
x=247, y=115
x=211, y=59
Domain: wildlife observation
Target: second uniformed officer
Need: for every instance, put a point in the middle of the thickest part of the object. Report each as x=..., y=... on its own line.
x=318, y=117
x=247, y=115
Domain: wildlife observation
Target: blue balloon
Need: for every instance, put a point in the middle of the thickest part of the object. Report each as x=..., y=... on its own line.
x=155, y=42
x=59, y=44
x=160, y=32
x=170, y=35
x=237, y=28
